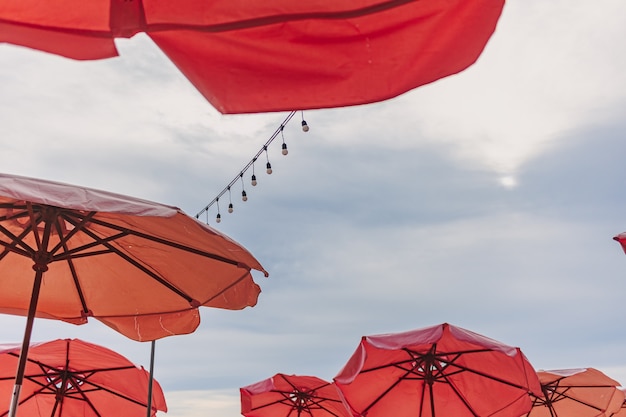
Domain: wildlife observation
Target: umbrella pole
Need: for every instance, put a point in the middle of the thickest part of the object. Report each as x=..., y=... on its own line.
x=21, y=367
x=149, y=412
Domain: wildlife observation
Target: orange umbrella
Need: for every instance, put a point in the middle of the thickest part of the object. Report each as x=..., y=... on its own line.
x=584, y=392
x=272, y=55
x=622, y=411
x=142, y=268
x=70, y=377
x=437, y=371
x=292, y=396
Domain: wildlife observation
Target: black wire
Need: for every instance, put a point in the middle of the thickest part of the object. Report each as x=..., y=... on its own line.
x=249, y=164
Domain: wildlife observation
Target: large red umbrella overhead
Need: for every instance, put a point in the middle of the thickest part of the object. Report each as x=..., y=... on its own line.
x=584, y=392
x=142, y=268
x=437, y=371
x=71, y=377
x=273, y=55
x=292, y=396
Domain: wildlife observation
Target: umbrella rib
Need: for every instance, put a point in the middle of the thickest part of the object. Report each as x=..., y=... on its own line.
x=164, y=242
x=229, y=26
x=558, y=395
x=135, y=263
x=16, y=240
x=484, y=375
x=70, y=264
x=381, y=395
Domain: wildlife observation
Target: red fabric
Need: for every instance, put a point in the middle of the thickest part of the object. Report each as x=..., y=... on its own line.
x=273, y=55
x=140, y=267
x=465, y=374
x=100, y=382
x=292, y=396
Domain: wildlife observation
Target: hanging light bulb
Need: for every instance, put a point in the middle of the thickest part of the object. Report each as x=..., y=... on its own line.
x=285, y=151
x=244, y=196
x=253, y=180
x=305, y=127
x=218, y=218
x=230, y=207
x=269, y=168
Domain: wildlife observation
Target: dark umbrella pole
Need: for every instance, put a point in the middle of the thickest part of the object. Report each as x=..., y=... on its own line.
x=151, y=379
x=21, y=366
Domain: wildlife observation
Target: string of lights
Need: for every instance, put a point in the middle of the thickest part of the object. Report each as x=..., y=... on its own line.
x=253, y=180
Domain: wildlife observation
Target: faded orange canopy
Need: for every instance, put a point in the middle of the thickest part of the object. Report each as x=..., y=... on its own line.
x=273, y=55
x=584, y=392
x=140, y=267
x=71, y=377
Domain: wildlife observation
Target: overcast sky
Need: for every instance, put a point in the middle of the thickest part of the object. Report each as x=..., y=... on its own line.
x=488, y=200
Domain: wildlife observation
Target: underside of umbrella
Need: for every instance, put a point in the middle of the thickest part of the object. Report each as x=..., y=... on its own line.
x=142, y=268
x=273, y=55
x=437, y=371
x=292, y=396
x=584, y=392
x=70, y=377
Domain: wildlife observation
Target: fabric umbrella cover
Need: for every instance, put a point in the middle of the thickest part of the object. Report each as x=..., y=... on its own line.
x=622, y=411
x=584, y=392
x=292, y=396
x=439, y=371
x=71, y=377
x=273, y=55
x=142, y=268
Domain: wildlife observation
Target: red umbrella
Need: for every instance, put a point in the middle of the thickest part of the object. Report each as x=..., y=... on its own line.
x=142, y=268
x=621, y=239
x=273, y=55
x=292, y=396
x=437, y=371
x=71, y=377
x=584, y=392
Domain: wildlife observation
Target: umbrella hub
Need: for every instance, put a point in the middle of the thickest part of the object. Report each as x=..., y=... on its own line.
x=41, y=259
x=300, y=399
x=63, y=382
x=428, y=367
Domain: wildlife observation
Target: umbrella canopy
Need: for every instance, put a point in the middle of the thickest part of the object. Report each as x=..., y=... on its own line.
x=439, y=371
x=622, y=411
x=71, y=377
x=584, y=392
x=292, y=396
x=621, y=239
x=142, y=268
x=273, y=55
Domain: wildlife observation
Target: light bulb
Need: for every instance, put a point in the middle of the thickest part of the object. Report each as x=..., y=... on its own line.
x=253, y=179
x=305, y=127
x=269, y=168
x=285, y=151
x=244, y=196
x=218, y=218
x=230, y=208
